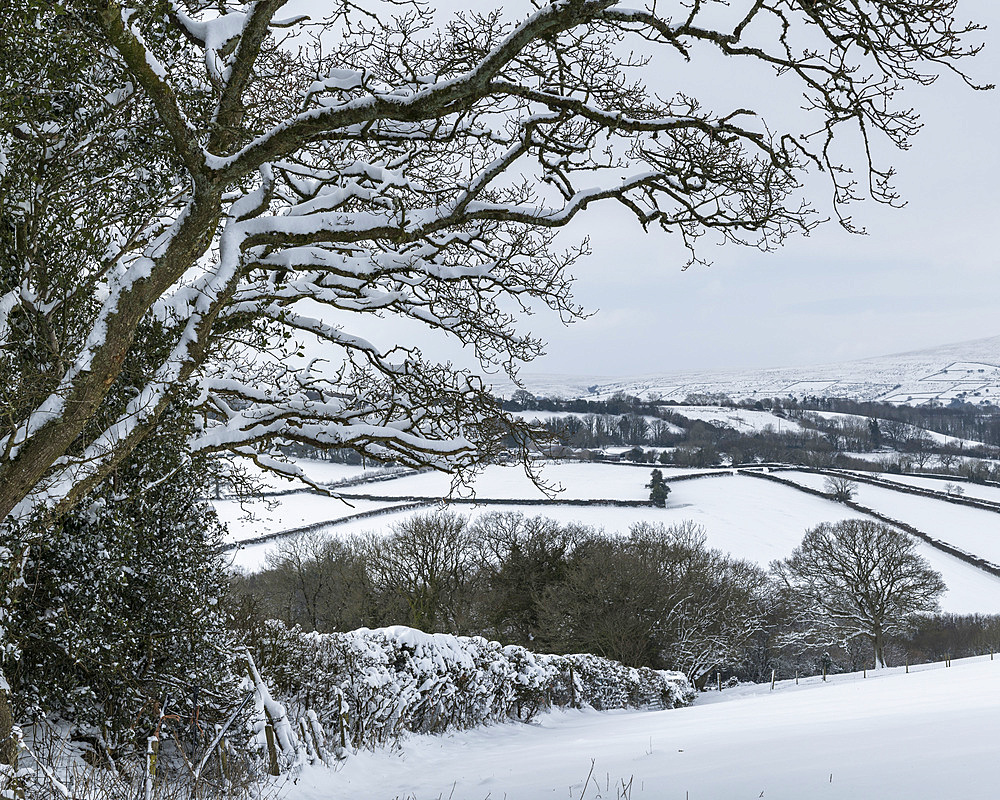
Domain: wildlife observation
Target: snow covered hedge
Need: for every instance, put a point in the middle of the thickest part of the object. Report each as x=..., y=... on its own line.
x=369, y=686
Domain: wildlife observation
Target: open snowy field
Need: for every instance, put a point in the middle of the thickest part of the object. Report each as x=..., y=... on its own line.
x=264, y=516
x=748, y=517
x=315, y=470
x=574, y=480
x=976, y=490
x=972, y=529
x=927, y=735
x=764, y=521
x=965, y=370
x=739, y=419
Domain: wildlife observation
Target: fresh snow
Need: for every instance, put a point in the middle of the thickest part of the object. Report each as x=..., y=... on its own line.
x=976, y=491
x=972, y=529
x=739, y=419
x=927, y=735
x=577, y=481
x=748, y=517
x=267, y=515
x=936, y=439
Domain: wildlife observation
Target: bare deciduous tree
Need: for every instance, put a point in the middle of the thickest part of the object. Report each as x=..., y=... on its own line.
x=421, y=570
x=840, y=487
x=857, y=578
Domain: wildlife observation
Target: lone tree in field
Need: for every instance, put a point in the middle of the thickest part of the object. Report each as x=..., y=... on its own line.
x=858, y=578
x=658, y=489
x=840, y=488
x=196, y=193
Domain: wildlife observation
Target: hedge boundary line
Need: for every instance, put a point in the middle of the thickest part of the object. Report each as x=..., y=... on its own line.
x=497, y=501
x=884, y=483
x=945, y=547
x=409, y=502
x=318, y=526
x=366, y=687
x=917, y=491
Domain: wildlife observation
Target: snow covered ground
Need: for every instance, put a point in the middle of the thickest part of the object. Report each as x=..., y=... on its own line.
x=315, y=470
x=269, y=515
x=740, y=419
x=933, y=436
x=964, y=370
x=764, y=521
x=972, y=529
x=575, y=480
x=975, y=490
x=748, y=517
x=927, y=735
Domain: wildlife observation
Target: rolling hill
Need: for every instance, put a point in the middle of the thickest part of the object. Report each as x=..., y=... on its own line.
x=967, y=371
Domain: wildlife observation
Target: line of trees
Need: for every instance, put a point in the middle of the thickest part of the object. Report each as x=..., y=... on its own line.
x=667, y=437
x=600, y=422
x=654, y=596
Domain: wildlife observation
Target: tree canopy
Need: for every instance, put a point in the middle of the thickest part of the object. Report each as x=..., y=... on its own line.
x=858, y=577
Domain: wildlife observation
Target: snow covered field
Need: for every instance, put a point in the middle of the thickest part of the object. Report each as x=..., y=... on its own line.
x=965, y=370
x=933, y=436
x=976, y=490
x=270, y=515
x=575, y=481
x=972, y=529
x=928, y=735
x=763, y=521
x=739, y=419
x=748, y=517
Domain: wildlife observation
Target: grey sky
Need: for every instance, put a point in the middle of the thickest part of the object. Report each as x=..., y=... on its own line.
x=925, y=275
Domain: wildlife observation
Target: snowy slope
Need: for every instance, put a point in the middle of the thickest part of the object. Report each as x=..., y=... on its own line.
x=972, y=529
x=748, y=517
x=739, y=419
x=967, y=370
x=927, y=735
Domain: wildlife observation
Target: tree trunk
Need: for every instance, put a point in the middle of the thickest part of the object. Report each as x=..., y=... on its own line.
x=879, y=642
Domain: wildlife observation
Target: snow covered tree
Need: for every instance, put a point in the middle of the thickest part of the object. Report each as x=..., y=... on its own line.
x=237, y=182
x=857, y=578
x=225, y=188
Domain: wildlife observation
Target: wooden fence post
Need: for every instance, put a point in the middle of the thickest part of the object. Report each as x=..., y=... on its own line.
x=342, y=718
x=152, y=753
x=272, y=750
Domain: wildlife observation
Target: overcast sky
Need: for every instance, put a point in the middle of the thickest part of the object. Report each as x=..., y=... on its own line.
x=924, y=275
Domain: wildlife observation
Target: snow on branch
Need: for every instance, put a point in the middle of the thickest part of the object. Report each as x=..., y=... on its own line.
x=217, y=190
